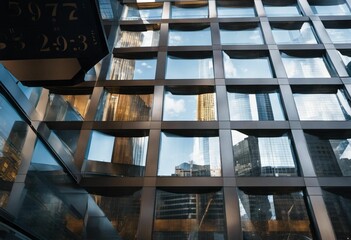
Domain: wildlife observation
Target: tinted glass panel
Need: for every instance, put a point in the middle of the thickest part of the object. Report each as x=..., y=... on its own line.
x=125, y=107
x=235, y=11
x=189, y=12
x=189, y=37
x=191, y=156
x=331, y=157
x=263, y=156
x=192, y=216
x=338, y=7
x=241, y=35
x=274, y=216
x=282, y=11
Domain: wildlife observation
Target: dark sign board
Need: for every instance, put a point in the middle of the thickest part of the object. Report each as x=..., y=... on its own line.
x=50, y=33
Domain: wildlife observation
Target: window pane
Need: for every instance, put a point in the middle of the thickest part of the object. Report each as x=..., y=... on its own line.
x=339, y=35
x=308, y=67
x=192, y=216
x=189, y=37
x=133, y=69
x=235, y=11
x=67, y=107
x=125, y=107
x=122, y=211
x=126, y=154
x=147, y=38
x=191, y=156
x=255, y=106
x=241, y=67
x=241, y=34
x=190, y=68
x=263, y=156
x=323, y=106
x=346, y=58
x=338, y=7
x=189, y=107
x=135, y=13
x=294, y=35
x=274, y=216
x=331, y=157
x=338, y=203
x=282, y=11
x=189, y=11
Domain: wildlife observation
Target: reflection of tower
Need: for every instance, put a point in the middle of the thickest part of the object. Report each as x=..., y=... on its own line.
x=264, y=107
x=247, y=157
x=120, y=107
x=206, y=109
x=241, y=101
x=129, y=150
x=325, y=162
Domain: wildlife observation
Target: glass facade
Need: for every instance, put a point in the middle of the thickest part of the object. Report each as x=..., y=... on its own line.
x=209, y=120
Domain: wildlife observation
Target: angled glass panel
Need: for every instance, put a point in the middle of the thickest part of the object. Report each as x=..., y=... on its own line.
x=293, y=33
x=229, y=9
x=67, y=107
x=185, y=105
x=338, y=203
x=125, y=107
x=122, y=211
x=105, y=9
x=184, y=10
x=346, y=59
x=281, y=9
x=126, y=155
x=255, y=106
x=275, y=215
x=263, y=156
x=189, y=37
x=331, y=156
x=191, y=68
x=305, y=66
x=232, y=34
x=338, y=31
x=191, y=156
x=133, y=69
x=146, y=38
x=327, y=7
x=192, y=216
x=240, y=65
x=141, y=12
x=331, y=106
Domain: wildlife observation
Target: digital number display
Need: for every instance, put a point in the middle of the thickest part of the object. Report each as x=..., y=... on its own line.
x=38, y=29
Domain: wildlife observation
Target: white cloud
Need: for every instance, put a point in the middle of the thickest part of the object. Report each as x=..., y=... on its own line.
x=174, y=107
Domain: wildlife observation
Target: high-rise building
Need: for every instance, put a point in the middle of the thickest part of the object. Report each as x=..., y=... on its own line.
x=208, y=119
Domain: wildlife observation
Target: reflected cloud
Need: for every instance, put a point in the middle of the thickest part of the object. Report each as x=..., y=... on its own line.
x=174, y=107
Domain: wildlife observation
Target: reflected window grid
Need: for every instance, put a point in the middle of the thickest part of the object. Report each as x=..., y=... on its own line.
x=297, y=67
x=255, y=107
x=324, y=106
x=263, y=156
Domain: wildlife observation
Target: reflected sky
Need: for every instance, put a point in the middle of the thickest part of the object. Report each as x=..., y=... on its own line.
x=194, y=12
x=336, y=9
x=176, y=150
x=247, y=68
x=236, y=11
x=282, y=11
x=180, y=107
x=288, y=36
x=131, y=13
x=189, y=38
x=339, y=35
x=189, y=68
x=242, y=36
x=137, y=39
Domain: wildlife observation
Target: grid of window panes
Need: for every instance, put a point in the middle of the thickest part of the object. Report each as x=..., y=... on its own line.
x=222, y=91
